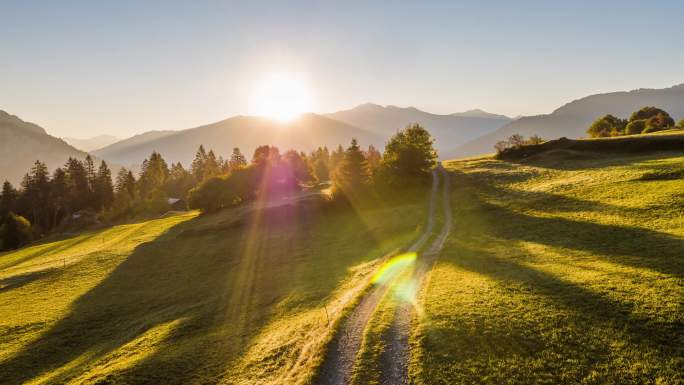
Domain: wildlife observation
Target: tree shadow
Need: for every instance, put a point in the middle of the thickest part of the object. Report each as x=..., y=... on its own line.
x=573, y=160
x=219, y=287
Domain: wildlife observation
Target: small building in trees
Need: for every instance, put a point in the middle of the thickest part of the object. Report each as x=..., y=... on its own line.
x=177, y=204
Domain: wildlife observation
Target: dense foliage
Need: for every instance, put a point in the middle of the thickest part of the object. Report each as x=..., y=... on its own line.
x=79, y=192
x=645, y=120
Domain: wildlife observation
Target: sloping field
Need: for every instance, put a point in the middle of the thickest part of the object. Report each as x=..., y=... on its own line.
x=567, y=268
x=237, y=297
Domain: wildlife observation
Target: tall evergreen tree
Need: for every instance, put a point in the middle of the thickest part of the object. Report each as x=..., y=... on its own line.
x=125, y=183
x=59, y=196
x=153, y=175
x=103, y=190
x=8, y=200
x=79, y=188
x=197, y=166
x=212, y=167
x=37, y=192
x=351, y=175
x=237, y=160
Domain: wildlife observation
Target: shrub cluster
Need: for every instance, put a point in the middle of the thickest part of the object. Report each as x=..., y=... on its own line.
x=645, y=120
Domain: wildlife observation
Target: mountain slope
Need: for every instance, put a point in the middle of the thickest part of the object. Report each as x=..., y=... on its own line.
x=93, y=143
x=246, y=132
x=448, y=130
x=572, y=119
x=22, y=143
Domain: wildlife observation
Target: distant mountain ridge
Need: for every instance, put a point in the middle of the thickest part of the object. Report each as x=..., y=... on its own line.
x=572, y=119
x=448, y=130
x=22, y=143
x=90, y=144
x=246, y=132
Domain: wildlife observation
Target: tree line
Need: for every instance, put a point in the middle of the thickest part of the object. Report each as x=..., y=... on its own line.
x=643, y=121
x=80, y=193
x=355, y=173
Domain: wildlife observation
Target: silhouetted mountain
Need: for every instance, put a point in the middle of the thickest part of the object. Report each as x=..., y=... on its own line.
x=448, y=130
x=22, y=143
x=573, y=119
x=93, y=143
x=246, y=132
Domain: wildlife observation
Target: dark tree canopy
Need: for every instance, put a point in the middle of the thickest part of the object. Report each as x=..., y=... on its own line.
x=409, y=154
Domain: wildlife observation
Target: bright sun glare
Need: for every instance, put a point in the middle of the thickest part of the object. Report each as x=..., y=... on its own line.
x=280, y=96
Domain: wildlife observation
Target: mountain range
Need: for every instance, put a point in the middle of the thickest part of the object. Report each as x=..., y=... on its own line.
x=22, y=143
x=572, y=119
x=459, y=134
x=448, y=130
x=246, y=132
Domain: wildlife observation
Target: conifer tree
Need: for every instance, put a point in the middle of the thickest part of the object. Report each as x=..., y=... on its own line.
x=197, y=166
x=237, y=160
x=8, y=200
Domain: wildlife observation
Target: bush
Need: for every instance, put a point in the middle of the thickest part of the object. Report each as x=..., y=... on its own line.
x=210, y=196
x=606, y=126
x=516, y=141
x=680, y=124
x=16, y=232
x=635, y=127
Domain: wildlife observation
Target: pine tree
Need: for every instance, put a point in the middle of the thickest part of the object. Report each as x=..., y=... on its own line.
x=8, y=200
x=102, y=188
x=125, y=183
x=59, y=196
x=351, y=175
x=197, y=166
x=77, y=180
x=373, y=158
x=237, y=160
x=153, y=175
x=37, y=193
x=212, y=167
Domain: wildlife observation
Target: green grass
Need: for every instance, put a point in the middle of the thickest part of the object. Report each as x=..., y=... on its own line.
x=232, y=297
x=568, y=268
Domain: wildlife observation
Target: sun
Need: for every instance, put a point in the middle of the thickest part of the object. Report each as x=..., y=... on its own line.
x=280, y=96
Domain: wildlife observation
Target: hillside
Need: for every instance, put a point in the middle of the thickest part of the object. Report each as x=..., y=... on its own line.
x=244, y=296
x=569, y=271
x=22, y=143
x=90, y=144
x=573, y=119
x=448, y=130
x=246, y=132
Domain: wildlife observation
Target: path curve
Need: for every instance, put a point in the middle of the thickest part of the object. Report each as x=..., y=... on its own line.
x=339, y=361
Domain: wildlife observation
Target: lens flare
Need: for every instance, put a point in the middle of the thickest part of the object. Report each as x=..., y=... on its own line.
x=393, y=267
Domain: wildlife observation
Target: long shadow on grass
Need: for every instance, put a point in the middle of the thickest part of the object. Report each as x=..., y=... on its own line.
x=190, y=278
x=589, y=309
x=631, y=246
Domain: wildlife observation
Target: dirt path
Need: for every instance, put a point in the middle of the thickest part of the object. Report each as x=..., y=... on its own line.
x=339, y=361
x=395, y=359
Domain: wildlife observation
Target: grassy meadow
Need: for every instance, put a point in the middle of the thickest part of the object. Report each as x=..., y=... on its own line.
x=234, y=297
x=567, y=267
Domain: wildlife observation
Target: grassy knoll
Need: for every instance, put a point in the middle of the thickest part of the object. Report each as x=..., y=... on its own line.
x=232, y=297
x=565, y=268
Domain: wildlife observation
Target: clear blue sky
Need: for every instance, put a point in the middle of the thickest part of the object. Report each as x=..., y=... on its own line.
x=81, y=68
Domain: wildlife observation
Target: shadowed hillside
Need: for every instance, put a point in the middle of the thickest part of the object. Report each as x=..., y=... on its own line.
x=22, y=143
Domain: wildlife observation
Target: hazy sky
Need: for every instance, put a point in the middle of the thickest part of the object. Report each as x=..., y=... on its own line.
x=81, y=68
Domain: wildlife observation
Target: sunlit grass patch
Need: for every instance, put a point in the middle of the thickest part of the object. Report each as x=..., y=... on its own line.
x=558, y=273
